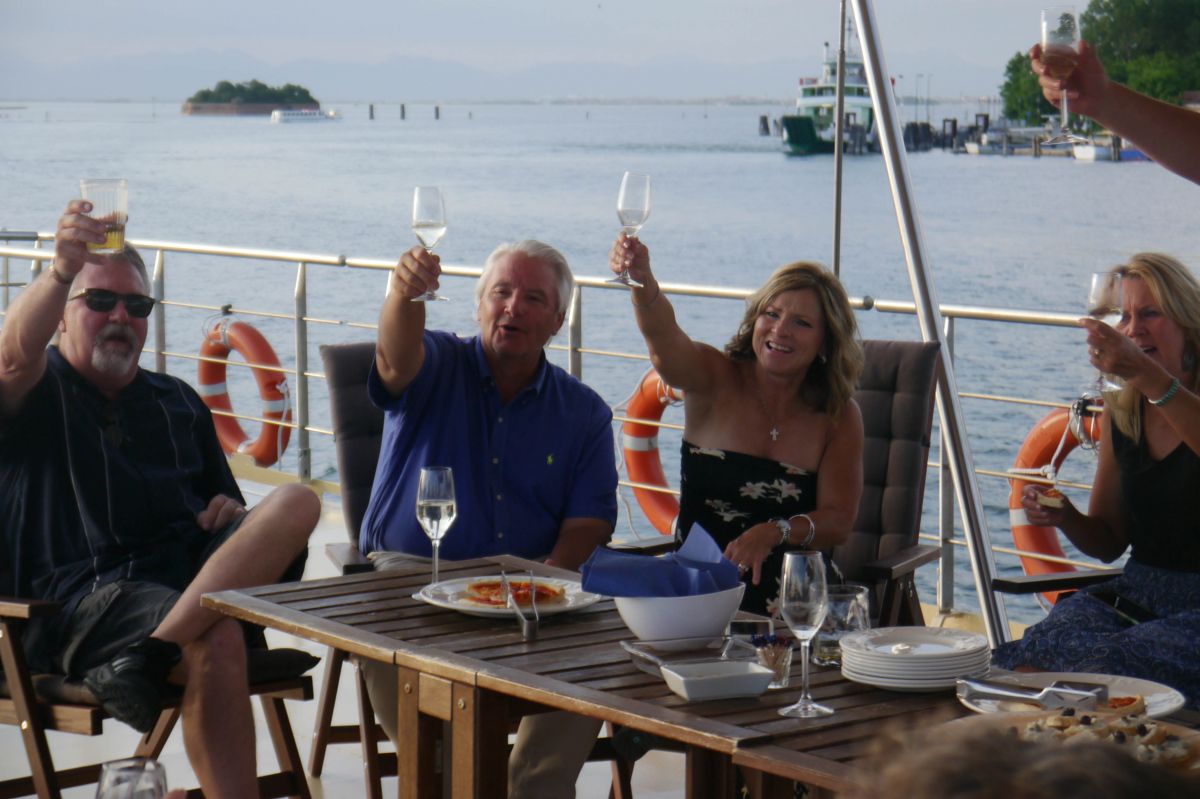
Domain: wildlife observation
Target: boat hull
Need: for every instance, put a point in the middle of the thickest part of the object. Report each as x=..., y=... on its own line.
x=800, y=136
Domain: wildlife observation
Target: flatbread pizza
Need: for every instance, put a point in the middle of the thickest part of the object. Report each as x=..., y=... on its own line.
x=489, y=592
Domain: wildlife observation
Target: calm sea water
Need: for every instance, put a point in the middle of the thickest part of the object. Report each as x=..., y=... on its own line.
x=728, y=208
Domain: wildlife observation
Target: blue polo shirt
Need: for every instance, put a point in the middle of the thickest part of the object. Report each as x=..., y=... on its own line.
x=520, y=469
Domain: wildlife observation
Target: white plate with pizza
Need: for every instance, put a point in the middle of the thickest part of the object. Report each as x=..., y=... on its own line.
x=484, y=595
x=1158, y=699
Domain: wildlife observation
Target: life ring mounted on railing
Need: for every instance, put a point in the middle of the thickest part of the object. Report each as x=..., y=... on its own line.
x=643, y=464
x=1042, y=453
x=221, y=338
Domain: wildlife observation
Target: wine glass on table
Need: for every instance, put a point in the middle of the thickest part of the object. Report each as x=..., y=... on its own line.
x=803, y=601
x=429, y=223
x=633, y=209
x=1060, y=56
x=132, y=778
x=1104, y=304
x=435, y=506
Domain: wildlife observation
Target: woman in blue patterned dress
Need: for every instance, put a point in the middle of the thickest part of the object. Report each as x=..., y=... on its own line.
x=1145, y=498
x=772, y=451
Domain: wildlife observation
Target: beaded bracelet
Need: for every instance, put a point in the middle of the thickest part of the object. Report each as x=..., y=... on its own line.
x=1165, y=398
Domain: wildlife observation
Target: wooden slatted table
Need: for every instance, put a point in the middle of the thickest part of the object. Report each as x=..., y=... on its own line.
x=479, y=674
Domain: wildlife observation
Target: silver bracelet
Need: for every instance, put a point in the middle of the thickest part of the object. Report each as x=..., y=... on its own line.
x=812, y=530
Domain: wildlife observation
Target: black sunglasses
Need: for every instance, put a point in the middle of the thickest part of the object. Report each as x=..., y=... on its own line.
x=103, y=301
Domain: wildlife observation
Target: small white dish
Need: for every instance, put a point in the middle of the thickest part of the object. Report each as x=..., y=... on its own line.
x=718, y=679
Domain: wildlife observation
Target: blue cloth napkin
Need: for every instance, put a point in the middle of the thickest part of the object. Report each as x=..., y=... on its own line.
x=698, y=567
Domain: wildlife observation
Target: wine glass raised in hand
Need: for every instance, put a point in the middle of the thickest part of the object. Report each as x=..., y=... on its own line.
x=435, y=506
x=633, y=209
x=1104, y=304
x=429, y=223
x=803, y=601
x=1060, y=55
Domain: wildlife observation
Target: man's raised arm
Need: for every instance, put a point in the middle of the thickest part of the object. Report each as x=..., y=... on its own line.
x=34, y=316
x=401, y=351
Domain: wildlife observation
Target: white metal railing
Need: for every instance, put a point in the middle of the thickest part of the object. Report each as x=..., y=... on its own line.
x=575, y=349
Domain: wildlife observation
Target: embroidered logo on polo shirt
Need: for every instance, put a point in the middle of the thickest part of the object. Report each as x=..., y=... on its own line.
x=550, y=459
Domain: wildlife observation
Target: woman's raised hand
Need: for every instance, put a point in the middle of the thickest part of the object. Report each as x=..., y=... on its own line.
x=628, y=252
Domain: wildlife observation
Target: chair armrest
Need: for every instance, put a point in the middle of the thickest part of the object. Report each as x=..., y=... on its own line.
x=1058, y=581
x=348, y=558
x=906, y=561
x=12, y=607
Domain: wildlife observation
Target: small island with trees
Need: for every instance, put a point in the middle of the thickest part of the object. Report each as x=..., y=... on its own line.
x=250, y=98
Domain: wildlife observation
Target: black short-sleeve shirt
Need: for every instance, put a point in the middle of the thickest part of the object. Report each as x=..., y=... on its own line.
x=94, y=490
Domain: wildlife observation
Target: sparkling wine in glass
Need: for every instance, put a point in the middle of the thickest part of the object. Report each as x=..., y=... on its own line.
x=1060, y=55
x=132, y=778
x=633, y=209
x=1104, y=304
x=435, y=506
x=803, y=601
x=429, y=223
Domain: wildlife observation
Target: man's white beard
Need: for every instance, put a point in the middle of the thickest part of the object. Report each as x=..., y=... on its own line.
x=112, y=362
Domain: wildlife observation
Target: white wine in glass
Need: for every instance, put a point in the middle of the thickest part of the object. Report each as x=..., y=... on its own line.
x=1060, y=55
x=429, y=223
x=435, y=506
x=633, y=209
x=803, y=602
x=1104, y=304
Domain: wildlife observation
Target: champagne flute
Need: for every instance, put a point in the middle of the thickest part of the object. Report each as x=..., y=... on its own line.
x=803, y=601
x=633, y=209
x=1104, y=304
x=435, y=506
x=1060, y=55
x=429, y=223
x=132, y=778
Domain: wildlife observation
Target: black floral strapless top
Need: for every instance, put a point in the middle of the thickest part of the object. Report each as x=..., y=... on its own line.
x=728, y=492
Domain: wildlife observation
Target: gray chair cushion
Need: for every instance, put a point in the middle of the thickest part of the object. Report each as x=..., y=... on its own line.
x=357, y=426
x=895, y=395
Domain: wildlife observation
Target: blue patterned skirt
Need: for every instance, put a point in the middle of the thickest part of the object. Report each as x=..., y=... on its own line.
x=1084, y=634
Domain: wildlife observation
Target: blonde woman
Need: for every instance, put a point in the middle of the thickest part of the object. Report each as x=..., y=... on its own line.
x=772, y=450
x=1145, y=499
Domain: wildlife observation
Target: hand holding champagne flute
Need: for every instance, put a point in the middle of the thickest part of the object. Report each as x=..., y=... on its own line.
x=429, y=223
x=1104, y=304
x=633, y=209
x=1060, y=55
x=435, y=506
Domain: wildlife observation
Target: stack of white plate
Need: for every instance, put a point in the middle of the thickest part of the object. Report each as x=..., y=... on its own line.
x=914, y=658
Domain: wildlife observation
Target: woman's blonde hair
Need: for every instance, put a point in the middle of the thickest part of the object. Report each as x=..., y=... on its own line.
x=831, y=379
x=1176, y=291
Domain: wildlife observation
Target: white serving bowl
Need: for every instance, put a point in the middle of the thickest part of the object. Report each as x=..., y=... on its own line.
x=698, y=616
x=718, y=679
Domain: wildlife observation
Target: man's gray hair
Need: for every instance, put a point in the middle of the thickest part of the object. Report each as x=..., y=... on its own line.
x=531, y=248
x=131, y=256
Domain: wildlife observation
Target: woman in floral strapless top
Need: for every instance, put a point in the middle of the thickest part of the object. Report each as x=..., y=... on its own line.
x=772, y=453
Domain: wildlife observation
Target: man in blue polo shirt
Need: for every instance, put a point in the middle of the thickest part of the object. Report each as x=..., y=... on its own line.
x=531, y=448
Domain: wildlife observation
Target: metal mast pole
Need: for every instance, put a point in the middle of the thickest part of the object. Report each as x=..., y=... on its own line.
x=839, y=132
x=930, y=319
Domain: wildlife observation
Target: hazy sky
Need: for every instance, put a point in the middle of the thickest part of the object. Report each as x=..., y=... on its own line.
x=519, y=33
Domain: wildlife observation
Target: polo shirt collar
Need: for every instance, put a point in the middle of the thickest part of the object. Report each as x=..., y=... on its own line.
x=537, y=384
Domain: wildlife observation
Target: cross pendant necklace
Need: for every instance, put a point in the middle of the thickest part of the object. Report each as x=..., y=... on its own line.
x=774, y=432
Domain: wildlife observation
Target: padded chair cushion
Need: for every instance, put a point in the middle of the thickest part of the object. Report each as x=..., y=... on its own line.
x=263, y=665
x=895, y=395
x=354, y=417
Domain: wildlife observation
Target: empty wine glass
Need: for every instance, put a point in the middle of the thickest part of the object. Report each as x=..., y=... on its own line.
x=435, y=506
x=803, y=601
x=633, y=209
x=1060, y=56
x=429, y=223
x=1104, y=304
x=132, y=778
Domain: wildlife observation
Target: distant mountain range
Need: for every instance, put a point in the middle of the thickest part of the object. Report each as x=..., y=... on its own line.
x=175, y=76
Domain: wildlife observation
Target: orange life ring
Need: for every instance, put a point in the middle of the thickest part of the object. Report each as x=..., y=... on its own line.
x=219, y=340
x=640, y=443
x=1051, y=439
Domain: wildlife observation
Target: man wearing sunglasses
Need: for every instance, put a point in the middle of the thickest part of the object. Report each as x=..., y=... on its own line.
x=117, y=502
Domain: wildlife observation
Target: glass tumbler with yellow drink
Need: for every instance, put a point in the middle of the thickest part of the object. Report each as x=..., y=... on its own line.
x=110, y=204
